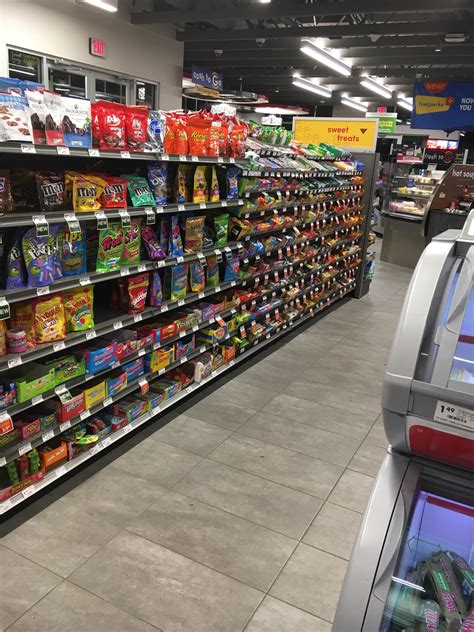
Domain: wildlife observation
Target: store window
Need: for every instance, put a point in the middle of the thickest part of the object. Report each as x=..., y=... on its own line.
x=67, y=83
x=110, y=91
x=145, y=94
x=24, y=66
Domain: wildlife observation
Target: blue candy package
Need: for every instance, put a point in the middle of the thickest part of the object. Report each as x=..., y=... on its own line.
x=197, y=277
x=232, y=269
x=175, y=247
x=42, y=257
x=73, y=253
x=156, y=290
x=158, y=180
x=232, y=181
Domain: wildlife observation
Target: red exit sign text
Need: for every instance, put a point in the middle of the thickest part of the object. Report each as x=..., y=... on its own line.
x=96, y=47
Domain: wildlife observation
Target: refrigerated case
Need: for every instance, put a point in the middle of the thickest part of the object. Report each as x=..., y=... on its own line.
x=405, y=572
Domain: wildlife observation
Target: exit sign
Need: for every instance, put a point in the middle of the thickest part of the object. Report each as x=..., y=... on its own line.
x=96, y=47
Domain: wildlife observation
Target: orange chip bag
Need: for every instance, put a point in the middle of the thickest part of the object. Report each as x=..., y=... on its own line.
x=78, y=305
x=198, y=136
x=22, y=317
x=50, y=320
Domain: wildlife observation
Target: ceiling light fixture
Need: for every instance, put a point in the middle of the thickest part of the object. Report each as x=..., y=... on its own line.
x=437, y=50
x=375, y=86
x=405, y=105
x=325, y=57
x=354, y=103
x=405, y=102
x=265, y=1
x=306, y=84
x=107, y=5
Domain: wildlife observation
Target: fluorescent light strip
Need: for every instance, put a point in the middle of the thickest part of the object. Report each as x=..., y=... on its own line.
x=102, y=4
x=300, y=82
x=352, y=103
x=325, y=58
x=405, y=105
x=375, y=86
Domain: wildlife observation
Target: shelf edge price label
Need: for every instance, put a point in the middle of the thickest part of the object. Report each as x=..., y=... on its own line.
x=28, y=491
x=118, y=324
x=183, y=158
x=48, y=435
x=194, y=158
x=102, y=221
x=125, y=154
x=224, y=203
x=137, y=318
x=85, y=280
x=14, y=362
x=150, y=215
x=90, y=335
x=63, y=151
x=42, y=226
x=124, y=271
x=93, y=153
x=202, y=205
x=66, y=425
x=23, y=449
x=125, y=217
x=27, y=149
x=4, y=309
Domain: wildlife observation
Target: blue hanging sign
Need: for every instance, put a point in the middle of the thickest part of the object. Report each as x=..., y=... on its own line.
x=207, y=78
x=443, y=105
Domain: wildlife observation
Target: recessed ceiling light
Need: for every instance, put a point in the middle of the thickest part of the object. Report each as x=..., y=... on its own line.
x=437, y=50
x=325, y=57
x=372, y=84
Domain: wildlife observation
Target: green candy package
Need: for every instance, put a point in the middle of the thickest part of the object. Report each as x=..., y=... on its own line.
x=221, y=227
x=178, y=281
x=131, y=243
x=111, y=242
x=212, y=273
x=139, y=191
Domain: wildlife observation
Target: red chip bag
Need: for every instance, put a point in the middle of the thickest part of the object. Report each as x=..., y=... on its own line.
x=112, y=125
x=115, y=193
x=136, y=127
x=181, y=139
x=170, y=134
x=198, y=136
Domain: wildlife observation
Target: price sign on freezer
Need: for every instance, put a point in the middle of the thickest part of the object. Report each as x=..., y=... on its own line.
x=454, y=415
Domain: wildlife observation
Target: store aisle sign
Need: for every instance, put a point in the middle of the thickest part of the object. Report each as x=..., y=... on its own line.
x=387, y=121
x=354, y=134
x=443, y=105
x=207, y=78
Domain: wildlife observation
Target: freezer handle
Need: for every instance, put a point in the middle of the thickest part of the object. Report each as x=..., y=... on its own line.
x=463, y=291
x=384, y=575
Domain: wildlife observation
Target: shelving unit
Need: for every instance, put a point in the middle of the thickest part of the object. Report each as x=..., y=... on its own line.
x=315, y=263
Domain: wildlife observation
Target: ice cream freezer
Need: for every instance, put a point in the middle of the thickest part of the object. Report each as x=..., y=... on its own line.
x=412, y=566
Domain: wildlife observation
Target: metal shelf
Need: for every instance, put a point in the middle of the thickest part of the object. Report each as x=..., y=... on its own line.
x=282, y=172
x=349, y=187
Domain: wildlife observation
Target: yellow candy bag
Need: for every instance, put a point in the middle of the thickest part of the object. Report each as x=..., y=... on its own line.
x=22, y=317
x=50, y=320
x=86, y=191
x=200, y=189
x=79, y=308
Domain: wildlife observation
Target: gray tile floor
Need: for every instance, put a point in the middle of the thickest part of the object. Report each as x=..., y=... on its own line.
x=240, y=514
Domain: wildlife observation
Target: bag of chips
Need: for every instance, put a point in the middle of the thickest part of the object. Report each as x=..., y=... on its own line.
x=198, y=130
x=79, y=309
x=156, y=130
x=50, y=320
x=197, y=277
x=212, y=272
x=156, y=290
x=221, y=229
x=158, y=180
x=200, y=189
x=110, y=248
x=136, y=127
x=175, y=247
x=139, y=191
x=131, y=246
x=41, y=256
x=73, y=258
x=86, y=192
x=114, y=194
x=193, y=235
x=15, y=264
x=50, y=188
x=152, y=245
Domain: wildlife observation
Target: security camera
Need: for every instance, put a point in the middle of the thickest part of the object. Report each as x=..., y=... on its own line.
x=260, y=41
x=218, y=52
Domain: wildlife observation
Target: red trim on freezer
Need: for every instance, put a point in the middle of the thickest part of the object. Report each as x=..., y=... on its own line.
x=447, y=504
x=442, y=446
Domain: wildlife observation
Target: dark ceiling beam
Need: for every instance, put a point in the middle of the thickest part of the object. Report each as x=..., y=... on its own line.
x=409, y=73
x=203, y=12
x=394, y=28
x=385, y=41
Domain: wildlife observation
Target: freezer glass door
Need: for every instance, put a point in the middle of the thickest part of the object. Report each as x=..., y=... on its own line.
x=432, y=587
x=463, y=363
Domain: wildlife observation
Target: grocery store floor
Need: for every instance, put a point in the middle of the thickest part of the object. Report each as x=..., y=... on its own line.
x=238, y=515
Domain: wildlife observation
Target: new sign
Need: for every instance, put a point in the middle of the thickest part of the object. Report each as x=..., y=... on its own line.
x=443, y=105
x=207, y=78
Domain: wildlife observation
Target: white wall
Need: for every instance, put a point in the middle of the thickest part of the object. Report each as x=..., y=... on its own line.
x=61, y=28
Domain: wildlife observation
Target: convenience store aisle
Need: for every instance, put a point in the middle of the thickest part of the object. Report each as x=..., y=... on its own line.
x=238, y=515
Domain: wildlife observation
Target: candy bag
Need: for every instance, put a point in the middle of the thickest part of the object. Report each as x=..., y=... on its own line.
x=170, y=134
x=232, y=269
x=197, y=277
x=152, y=245
x=156, y=130
x=15, y=263
x=193, y=236
x=131, y=246
x=200, y=189
x=92, y=248
x=86, y=191
x=179, y=282
x=158, y=180
x=213, y=142
x=136, y=127
x=214, y=195
x=50, y=187
x=73, y=255
x=50, y=320
x=114, y=194
x=110, y=248
x=3, y=338
x=137, y=288
x=181, y=184
x=232, y=182
x=165, y=234
x=237, y=138
x=78, y=305
x=111, y=125
x=175, y=247
x=139, y=191
x=39, y=254
x=23, y=317
x=6, y=200
x=212, y=273
x=156, y=290
x=221, y=228
x=198, y=130
x=181, y=138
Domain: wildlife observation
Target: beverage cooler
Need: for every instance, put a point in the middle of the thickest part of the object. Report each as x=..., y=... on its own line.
x=412, y=566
